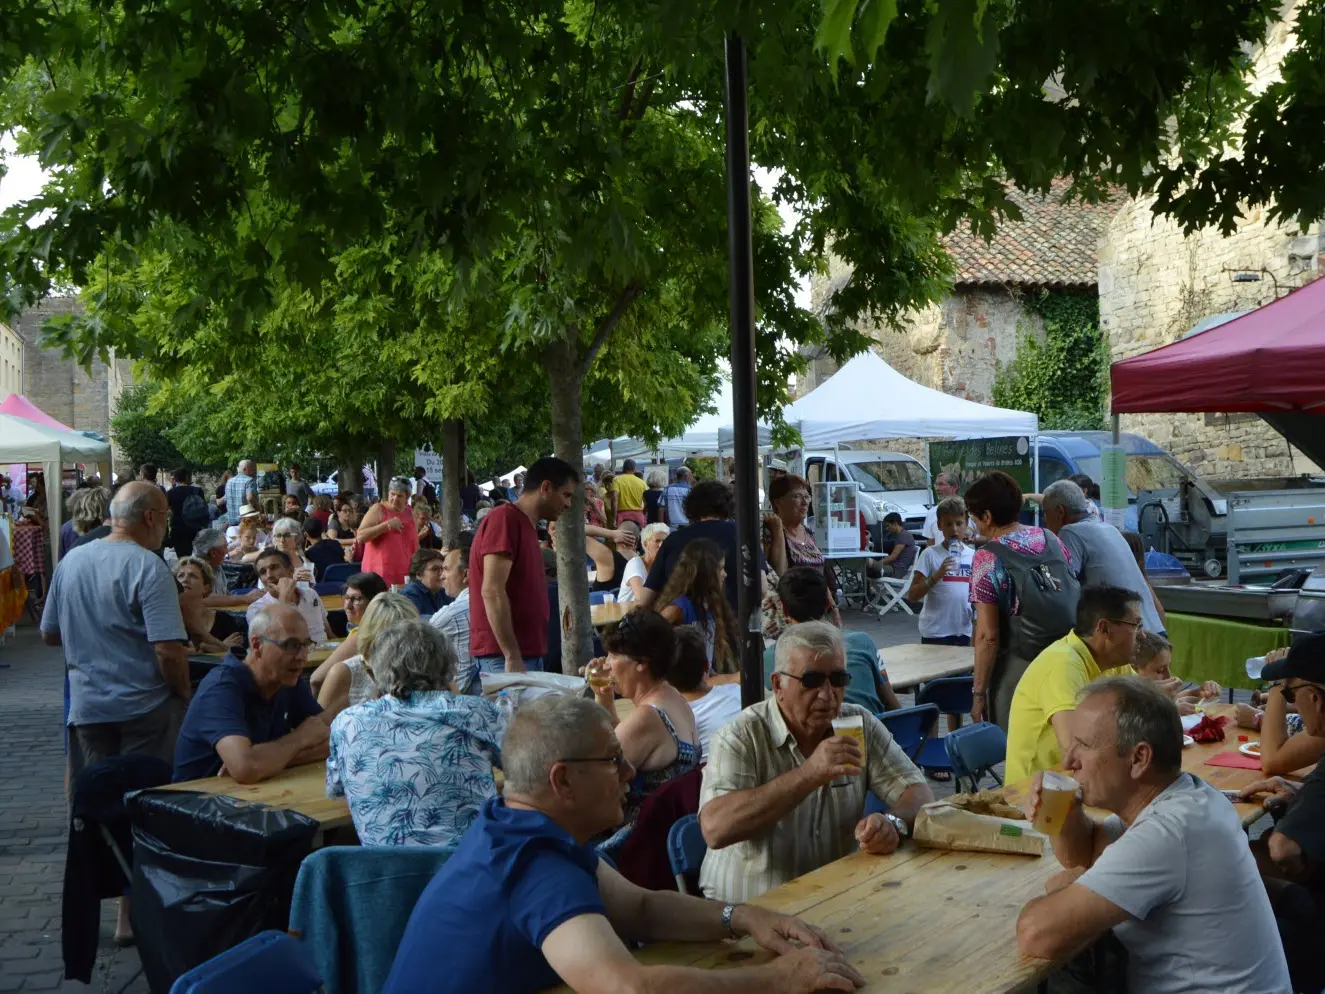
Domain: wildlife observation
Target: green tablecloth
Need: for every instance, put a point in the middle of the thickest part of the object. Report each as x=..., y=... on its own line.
x=1218, y=648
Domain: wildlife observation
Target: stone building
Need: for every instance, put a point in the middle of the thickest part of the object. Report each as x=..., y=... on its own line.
x=11, y=362
x=958, y=344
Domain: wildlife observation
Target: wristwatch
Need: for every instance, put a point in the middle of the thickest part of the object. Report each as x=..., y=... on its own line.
x=902, y=831
x=727, y=913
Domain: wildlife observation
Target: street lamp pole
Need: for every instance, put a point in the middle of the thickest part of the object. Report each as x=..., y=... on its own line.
x=741, y=268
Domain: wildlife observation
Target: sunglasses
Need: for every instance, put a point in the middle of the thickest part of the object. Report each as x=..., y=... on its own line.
x=814, y=679
x=619, y=760
x=1291, y=692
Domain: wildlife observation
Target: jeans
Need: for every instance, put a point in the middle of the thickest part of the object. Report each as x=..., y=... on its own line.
x=497, y=664
x=946, y=640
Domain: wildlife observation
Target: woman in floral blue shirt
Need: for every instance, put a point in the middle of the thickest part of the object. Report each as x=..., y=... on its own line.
x=415, y=764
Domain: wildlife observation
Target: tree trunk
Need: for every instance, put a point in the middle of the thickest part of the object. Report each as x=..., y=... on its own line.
x=566, y=378
x=386, y=465
x=453, y=478
x=349, y=475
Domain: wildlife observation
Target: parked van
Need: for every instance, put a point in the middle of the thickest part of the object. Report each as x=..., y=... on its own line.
x=889, y=481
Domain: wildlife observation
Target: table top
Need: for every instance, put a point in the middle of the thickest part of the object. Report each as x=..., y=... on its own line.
x=333, y=602
x=316, y=657
x=1224, y=777
x=920, y=919
x=909, y=665
x=608, y=614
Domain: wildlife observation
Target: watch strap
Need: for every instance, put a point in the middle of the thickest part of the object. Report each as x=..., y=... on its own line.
x=727, y=912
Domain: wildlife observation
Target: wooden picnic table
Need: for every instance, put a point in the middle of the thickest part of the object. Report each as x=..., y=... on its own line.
x=316, y=656
x=1226, y=778
x=333, y=602
x=912, y=665
x=920, y=919
x=608, y=614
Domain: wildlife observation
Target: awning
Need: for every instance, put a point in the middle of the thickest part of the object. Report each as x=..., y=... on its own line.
x=1267, y=361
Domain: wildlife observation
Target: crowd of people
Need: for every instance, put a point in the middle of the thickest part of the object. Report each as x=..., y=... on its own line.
x=1070, y=654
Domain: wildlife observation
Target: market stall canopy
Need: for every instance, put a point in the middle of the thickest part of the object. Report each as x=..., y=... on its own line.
x=704, y=436
x=1267, y=361
x=868, y=399
x=19, y=406
x=24, y=441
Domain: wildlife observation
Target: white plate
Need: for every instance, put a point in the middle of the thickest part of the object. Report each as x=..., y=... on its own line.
x=1187, y=740
x=1190, y=721
x=1252, y=749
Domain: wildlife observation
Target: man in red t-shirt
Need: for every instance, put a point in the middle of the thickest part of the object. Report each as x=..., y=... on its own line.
x=508, y=593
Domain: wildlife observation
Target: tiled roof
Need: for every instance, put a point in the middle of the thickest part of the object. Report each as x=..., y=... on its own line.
x=1052, y=246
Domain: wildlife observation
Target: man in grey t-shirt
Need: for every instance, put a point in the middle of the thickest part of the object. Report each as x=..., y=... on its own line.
x=1097, y=548
x=1170, y=872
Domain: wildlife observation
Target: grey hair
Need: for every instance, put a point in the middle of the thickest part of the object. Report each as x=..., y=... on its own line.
x=128, y=509
x=401, y=485
x=286, y=528
x=545, y=731
x=951, y=507
x=683, y=473
x=1067, y=495
x=89, y=507
x=656, y=478
x=410, y=657
x=207, y=540
x=820, y=637
x=205, y=568
x=262, y=621
x=650, y=532
x=1143, y=713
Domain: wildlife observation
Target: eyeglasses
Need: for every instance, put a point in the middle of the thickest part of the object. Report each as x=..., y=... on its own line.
x=814, y=679
x=800, y=495
x=619, y=760
x=292, y=646
x=1291, y=692
x=1134, y=625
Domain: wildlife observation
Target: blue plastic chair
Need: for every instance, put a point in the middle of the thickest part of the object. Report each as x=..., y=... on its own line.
x=951, y=695
x=911, y=727
x=243, y=590
x=340, y=572
x=598, y=597
x=268, y=963
x=329, y=588
x=974, y=751
x=685, y=851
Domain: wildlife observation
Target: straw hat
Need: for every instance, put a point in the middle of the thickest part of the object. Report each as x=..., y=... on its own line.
x=249, y=511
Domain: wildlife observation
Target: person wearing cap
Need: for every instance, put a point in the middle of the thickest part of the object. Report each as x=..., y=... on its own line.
x=247, y=513
x=389, y=535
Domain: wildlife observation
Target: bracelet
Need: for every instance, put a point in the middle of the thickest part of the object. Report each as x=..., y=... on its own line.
x=979, y=693
x=727, y=913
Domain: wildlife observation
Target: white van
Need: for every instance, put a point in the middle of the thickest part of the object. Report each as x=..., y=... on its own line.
x=889, y=481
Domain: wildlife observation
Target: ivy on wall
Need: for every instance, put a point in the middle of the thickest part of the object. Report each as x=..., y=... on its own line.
x=1062, y=375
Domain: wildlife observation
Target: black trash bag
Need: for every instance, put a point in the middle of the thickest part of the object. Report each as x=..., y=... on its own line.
x=208, y=872
x=239, y=575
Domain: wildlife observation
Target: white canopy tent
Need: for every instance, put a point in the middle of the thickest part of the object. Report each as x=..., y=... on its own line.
x=868, y=399
x=702, y=438
x=23, y=441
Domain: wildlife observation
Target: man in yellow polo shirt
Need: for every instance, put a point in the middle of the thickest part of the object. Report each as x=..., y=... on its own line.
x=627, y=495
x=1103, y=643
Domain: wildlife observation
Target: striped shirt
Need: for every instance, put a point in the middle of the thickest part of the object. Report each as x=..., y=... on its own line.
x=237, y=489
x=754, y=748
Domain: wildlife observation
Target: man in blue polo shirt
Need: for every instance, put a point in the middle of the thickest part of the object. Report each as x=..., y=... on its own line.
x=525, y=903
x=257, y=716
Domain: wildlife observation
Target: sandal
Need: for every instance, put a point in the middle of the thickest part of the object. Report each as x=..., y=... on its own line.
x=939, y=776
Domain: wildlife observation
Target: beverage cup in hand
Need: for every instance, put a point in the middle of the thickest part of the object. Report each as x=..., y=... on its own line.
x=599, y=674
x=853, y=728
x=1057, y=794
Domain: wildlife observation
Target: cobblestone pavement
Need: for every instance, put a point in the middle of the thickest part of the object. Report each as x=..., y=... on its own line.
x=33, y=827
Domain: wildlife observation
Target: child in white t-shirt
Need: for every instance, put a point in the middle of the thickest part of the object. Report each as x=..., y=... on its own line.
x=941, y=580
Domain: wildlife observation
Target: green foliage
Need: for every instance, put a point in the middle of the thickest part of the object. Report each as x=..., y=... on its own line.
x=142, y=434
x=1063, y=377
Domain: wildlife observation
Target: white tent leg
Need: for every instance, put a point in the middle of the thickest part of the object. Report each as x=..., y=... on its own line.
x=54, y=509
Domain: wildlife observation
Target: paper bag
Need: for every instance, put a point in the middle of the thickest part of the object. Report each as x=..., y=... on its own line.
x=943, y=825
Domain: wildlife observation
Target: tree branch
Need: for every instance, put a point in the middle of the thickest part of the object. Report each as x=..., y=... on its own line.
x=605, y=328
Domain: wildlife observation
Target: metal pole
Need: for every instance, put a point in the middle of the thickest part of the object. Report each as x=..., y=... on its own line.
x=746, y=440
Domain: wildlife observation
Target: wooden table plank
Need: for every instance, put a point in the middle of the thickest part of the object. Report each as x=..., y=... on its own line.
x=333, y=602
x=911, y=665
x=607, y=614
x=316, y=657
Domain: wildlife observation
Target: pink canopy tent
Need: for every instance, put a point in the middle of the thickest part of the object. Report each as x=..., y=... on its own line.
x=18, y=406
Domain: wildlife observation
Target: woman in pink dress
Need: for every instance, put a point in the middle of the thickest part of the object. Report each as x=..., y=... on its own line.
x=388, y=534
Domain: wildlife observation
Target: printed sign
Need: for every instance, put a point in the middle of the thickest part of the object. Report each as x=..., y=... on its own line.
x=432, y=464
x=966, y=461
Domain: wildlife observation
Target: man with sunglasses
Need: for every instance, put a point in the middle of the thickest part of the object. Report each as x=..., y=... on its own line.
x=525, y=902
x=1104, y=642
x=782, y=794
x=254, y=717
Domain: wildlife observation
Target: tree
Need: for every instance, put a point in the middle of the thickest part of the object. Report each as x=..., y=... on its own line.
x=560, y=163
x=141, y=434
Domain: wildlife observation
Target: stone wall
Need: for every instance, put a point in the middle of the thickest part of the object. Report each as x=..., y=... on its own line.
x=11, y=362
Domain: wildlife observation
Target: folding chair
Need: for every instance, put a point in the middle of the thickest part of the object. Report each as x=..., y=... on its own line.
x=888, y=593
x=685, y=851
x=974, y=751
x=340, y=572
x=268, y=963
x=911, y=727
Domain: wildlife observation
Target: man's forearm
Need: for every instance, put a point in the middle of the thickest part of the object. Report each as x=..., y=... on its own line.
x=743, y=814
x=498, y=608
x=266, y=760
x=172, y=660
x=912, y=800
x=693, y=980
x=1075, y=844
x=226, y=600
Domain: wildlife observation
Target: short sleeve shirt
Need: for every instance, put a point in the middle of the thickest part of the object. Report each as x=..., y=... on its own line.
x=946, y=609
x=1304, y=821
x=629, y=490
x=514, y=878
x=1198, y=915
x=507, y=531
x=110, y=602
x=756, y=747
x=228, y=703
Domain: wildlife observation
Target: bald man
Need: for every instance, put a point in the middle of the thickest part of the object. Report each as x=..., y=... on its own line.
x=114, y=607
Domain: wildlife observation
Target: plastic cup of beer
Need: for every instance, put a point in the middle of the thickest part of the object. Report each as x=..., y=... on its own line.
x=1056, y=798
x=852, y=727
x=599, y=674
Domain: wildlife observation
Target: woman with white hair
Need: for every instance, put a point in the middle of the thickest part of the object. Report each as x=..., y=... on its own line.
x=637, y=569
x=415, y=764
x=655, y=502
x=389, y=535
x=288, y=536
x=350, y=681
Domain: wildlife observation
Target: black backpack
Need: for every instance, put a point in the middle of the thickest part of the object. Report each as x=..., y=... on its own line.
x=194, y=511
x=429, y=493
x=1047, y=593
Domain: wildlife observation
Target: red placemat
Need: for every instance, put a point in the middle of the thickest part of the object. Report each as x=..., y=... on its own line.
x=1235, y=760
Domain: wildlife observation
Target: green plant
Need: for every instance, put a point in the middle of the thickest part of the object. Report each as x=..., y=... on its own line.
x=1062, y=376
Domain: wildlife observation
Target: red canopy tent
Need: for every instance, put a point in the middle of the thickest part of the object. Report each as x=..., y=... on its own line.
x=1267, y=361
